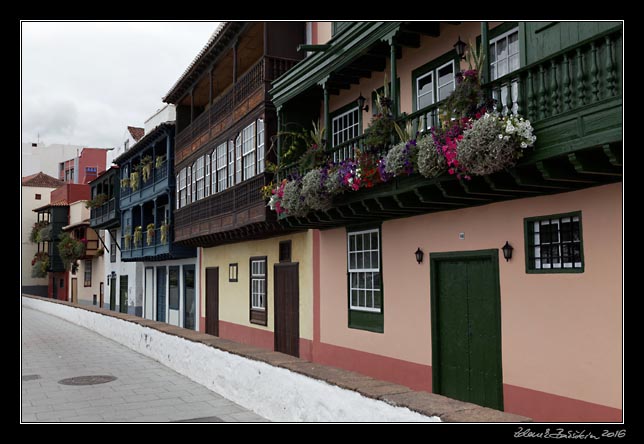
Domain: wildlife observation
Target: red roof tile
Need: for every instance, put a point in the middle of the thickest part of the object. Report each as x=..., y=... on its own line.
x=41, y=180
x=137, y=133
x=58, y=203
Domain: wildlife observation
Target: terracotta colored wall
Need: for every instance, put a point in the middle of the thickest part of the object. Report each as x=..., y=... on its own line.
x=323, y=32
x=561, y=332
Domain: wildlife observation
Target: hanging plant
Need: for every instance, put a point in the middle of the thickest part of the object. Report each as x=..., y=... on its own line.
x=71, y=249
x=164, y=233
x=431, y=162
x=98, y=200
x=128, y=241
x=314, y=196
x=134, y=180
x=125, y=182
x=138, y=236
x=100, y=251
x=158, y=160
x=35, y=236
x=40, y=265
x=150, y=234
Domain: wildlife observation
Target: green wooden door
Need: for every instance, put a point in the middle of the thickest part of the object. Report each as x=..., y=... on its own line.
x=466, y=327
x=113, y=293
x=123, y=294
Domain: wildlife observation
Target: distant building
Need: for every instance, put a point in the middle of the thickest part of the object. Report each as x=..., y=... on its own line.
x=39, y=157
x=84, y=167
x=36, y=190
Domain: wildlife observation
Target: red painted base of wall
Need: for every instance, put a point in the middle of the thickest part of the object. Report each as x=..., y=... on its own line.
x=547, y=407
x=246, y=335
x=202, y=324
x=410, y=374
x=306, y=349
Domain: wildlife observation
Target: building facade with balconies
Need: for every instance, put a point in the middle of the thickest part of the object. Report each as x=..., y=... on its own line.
x=165, y=289
x=411, y=282
x=251, y=267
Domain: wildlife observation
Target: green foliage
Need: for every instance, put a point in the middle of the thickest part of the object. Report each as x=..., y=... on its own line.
x=70, y=250
x=97, y=201
x=464, y=100
x=40, y=265
x=475, y=57
x=35, y=235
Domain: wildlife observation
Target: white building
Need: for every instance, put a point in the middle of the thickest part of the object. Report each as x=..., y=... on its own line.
x=36, y=192
x=39, y=157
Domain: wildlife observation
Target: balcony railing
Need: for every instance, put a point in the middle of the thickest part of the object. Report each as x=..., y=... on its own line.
x=104, y=214
x=156, y=244
x=258, y=76
x=559, y=85
x=157, y=178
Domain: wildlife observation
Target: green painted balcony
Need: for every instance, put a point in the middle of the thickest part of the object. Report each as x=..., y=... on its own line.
x=571, y=92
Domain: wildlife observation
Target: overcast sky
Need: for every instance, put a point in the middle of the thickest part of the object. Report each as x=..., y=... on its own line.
x=84, y=83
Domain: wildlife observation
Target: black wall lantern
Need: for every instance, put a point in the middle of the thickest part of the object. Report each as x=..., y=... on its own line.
x=507, y=251
x=460, y=46
x=419, y=255
x=361, y=104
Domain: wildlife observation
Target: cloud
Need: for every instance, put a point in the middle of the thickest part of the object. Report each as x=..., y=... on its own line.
x=85, y=82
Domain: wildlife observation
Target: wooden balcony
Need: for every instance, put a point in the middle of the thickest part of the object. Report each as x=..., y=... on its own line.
x=247, y=93
x=156, y=184
x=105, y=216
x=238, y=213
x=572, y=98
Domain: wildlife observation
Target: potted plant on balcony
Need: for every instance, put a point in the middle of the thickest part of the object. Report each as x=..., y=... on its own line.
x=127, y=238
x=40, y=264
x=35, y=235
x=125, y=182
x=146, y=167
x=158, y=161
x=164, y=232
x=149, y=234
x=97, y=201
x=134, y=179
x=100, y=251
x=138, y=236
x=378, y=135
x=71, y=250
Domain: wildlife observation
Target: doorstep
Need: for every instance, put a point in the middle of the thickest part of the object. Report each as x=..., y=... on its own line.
x=430, y=404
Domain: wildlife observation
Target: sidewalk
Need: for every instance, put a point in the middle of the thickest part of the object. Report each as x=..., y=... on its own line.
x=429, y=404
x=144, y=391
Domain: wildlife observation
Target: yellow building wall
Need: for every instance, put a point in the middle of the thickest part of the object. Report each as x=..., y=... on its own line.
x=234, y=297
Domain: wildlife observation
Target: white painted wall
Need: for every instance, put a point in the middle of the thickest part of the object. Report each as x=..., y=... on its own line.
x=282, y=396
x=165, y=114
x=27, y=204
x=134, y=271
x=46, y=158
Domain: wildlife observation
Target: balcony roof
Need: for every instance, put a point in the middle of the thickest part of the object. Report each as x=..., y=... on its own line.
x=58, y=203
x=83, y=223
x=146, y=141
x=219, y=41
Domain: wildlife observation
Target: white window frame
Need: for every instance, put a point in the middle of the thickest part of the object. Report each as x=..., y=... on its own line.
x=261, y=153
x=220, y=178
x=178, y=193
x=258, y=293
x=206, y=191
x=340, y=133
x=364, y=270
x=231, y=163
x=183, y=185
x=494, y=65
x=238, y=159
x=539, y=263
x=435, y=85
x=198, y=180
x=248, y=151
x=193, y=189
x=452, y=81
x=431, y=94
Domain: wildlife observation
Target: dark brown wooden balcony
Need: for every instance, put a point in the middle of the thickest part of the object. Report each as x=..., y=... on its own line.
x=238, y=213
x=250, y=90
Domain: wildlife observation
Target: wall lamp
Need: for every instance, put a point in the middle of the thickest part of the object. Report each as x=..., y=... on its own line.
x=361, y=104
x=507, y=251
x=419, y=255
x=460, y=46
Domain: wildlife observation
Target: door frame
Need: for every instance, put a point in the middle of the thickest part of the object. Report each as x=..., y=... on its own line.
x=434, y=259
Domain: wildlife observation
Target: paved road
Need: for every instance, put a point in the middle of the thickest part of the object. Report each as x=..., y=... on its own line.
x=145, y=391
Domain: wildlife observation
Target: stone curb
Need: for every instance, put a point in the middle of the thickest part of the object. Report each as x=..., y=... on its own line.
x=429, y=404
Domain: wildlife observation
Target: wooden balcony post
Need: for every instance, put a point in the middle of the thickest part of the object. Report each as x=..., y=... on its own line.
x=485, y=47
x=327, y=120
x=394, y=76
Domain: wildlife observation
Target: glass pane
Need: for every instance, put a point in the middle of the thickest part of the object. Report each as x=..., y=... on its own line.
x=359, y=261
x=377, y=299
x=374, y=259
x=492, y=53
x=359, y=243
x=514, y=62
x=362, y=301
x=513, y=43
x=376, y=281
x=189, y=297
x=361, y=280
x=446, y=74
x=366, y=239
x=354, y=298
x=173, y=280
x=493, y=72
x=445, y=91
x=374, y=241
x=502, y=49
x=426, y=100
x=352, y=261
x=354, y=280
x=367, y=260
x=424, y=84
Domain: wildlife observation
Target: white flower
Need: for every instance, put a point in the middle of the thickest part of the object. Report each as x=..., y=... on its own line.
x=500, y=136
x=524, y=145
x=506, y=138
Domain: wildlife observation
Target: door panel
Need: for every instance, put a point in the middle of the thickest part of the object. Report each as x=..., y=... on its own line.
x=161, y=296
x=287, y=308
x=149, y=292
x=466, y=327
x=123, y=293
x=74, y=290
x=212, y=301
x=189, y=302
x=113, y=293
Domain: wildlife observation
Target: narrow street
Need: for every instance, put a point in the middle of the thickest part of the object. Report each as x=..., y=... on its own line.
x=143, y=391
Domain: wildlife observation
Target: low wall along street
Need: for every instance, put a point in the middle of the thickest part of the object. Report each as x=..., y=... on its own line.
x=275, y=393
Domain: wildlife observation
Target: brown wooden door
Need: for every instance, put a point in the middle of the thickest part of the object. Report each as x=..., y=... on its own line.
x=287, y=308
x=74, y=290
x=212, y=301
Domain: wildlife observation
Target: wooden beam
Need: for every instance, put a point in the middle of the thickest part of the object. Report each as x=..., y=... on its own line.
x=433, y=196
x=529, y=176
x=560, y=170
x=431, y=29
x=453, y=190
x=505, y=183
x=593, y=162
x=614, y=154
x=478, y=186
